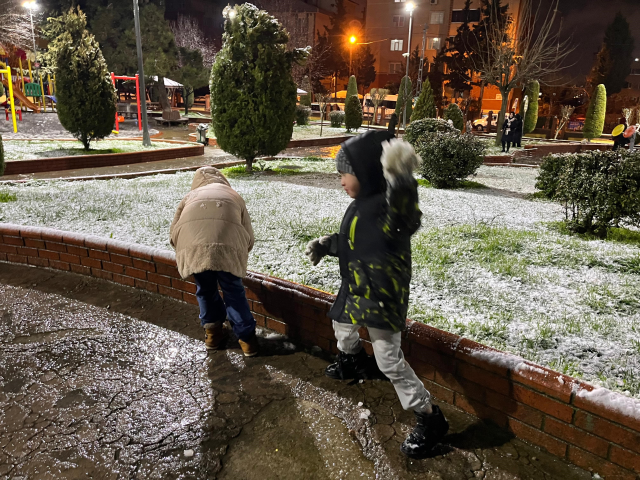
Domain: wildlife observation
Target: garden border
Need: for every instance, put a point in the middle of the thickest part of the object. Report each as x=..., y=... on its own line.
x=310, y=142
x=74, y=162
x=593, y=428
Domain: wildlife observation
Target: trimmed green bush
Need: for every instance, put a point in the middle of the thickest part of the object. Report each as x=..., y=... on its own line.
x=352, y=87
x=86, y=97
x=337, y=118
x=599, y=189
x=404, y=95
x=448, y=157
x=426, y=105
x=305, y=100
x=253, y=95
x=353, y=113
x=531, y=117
x=453, y=113
x=419, y=128
x=547, y=181
x=594, y=122
x=1, y=157
x=302, y=115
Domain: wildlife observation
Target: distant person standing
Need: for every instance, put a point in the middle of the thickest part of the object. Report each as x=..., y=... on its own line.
x=507, y=132
x=518, y=125
x=630, y=134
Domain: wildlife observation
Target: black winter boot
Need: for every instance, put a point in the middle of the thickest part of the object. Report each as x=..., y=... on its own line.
x=429, y=430
x=349, y=367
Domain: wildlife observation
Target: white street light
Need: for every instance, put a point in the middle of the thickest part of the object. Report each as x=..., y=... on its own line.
x=410, y=7
x=32, y=5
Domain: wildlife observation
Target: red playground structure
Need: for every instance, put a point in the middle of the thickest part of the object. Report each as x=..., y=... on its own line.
x=136, y=78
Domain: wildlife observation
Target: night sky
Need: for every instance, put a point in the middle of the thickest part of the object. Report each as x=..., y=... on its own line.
x=587, y=20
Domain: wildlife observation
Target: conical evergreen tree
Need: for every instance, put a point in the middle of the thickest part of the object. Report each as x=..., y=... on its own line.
x=620, y=44
x=404, y=96
x=425, y=106
x=353, y=113
x=531, y=117
x=86, y=97
x=594, y=122
x=253, y=95
x=453, y=113
x=352, y=87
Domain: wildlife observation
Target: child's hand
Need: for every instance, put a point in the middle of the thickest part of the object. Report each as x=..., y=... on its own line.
x=399, y=160
x=318, y=248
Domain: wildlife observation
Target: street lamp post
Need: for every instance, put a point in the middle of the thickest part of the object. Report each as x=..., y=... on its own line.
x=410, y=7
x=352, y=42
x=32, y=6
x=146, y=140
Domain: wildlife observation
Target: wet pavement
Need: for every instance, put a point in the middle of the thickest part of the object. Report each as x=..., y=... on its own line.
x=103, y=381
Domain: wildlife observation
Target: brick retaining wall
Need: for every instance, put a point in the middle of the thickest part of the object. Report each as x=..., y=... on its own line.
x=537, y=152
x=593, y=428
x=55, y=164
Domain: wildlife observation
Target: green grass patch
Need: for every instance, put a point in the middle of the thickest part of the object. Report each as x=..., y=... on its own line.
x=312, y=159
x=307, y=231
x=614, y=234
x=236, y=172
x=240, y=171
x=424, y=183
x=6, y=197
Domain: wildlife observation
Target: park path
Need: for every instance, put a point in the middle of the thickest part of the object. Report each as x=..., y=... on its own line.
x=99, y=380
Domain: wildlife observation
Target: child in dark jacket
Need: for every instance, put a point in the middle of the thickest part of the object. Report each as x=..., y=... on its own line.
x=374, y=251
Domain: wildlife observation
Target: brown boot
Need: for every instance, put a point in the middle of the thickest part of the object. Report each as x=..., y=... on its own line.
x=250, y=347
x=214, y=336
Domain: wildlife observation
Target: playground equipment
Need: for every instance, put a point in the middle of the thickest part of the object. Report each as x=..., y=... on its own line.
x=137, y=79
x=10, y=99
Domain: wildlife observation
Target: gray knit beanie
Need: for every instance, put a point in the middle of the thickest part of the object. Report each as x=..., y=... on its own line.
x=342, y=163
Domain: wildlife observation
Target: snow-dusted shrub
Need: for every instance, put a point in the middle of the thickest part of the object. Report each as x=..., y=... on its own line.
x=336, y=117
x=302, y=115
x=547, y=181
x=419, y=128
x=353, y=113
x=448, y=157
x=600, y=189
x=453, y=113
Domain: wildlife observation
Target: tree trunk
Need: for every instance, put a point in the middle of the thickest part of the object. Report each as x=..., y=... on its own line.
x=481, y=97
x=249, y=165
x=161, y=90
x=501, y=115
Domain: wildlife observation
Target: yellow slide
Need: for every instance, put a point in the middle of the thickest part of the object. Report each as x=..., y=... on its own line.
x=20, y=96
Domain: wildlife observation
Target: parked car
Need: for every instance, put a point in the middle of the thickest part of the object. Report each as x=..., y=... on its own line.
x=480, y=125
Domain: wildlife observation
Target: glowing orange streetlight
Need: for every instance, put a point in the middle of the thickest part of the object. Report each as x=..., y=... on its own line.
x=352, y=42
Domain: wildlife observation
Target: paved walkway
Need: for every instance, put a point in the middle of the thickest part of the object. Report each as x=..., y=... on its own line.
x=103, y=381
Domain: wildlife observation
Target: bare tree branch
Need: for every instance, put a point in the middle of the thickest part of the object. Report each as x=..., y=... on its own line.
x=188, y=34
x=15, y=25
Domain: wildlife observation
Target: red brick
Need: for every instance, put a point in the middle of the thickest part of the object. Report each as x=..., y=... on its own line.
x=8, y=248
x=135, y=273
x=169, y=292
x=18, y=241
x=99, y=273
x=16, y=258
x=140, y=253
x=80, y=269
x=121, y=260
x=124, y=280
x=99, y=254
x=51, y=236
x=251, y=293
x=260, y=319
x=189, y=298
x=144, y=265
x=480, y=410
x=422, y=369
x=515, y=409
x=438, y=391
x=544, y=380
x=117, y=248
x=605, y=429
x=30, y=242
x=442, y=363
x=182, y=285
x=29, y=252
x=602, y=409
x=594, y=463
x=277, y=326
x=324, y=344
x=577, y=437
x=73, y=239
x=59, y=265
x=166, y=258
x=543, y=403
x=112, y=267
x=79, y=251
x=56, y=247
x=90, y=262
x=167, y=270
x=50, y=255
x=535, y=436
x=65, y=257
x=40, y=262
x=325, y=331
x=152, y=287
x=485, y=378
x=96, y=243
x=471, y=352
x=3, y=257
x=7, y=229
x=159, y=279
x=625, y=458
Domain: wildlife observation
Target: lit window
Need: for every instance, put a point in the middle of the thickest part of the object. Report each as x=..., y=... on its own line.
x=437, y=18
x=396, y=45
x=398, y=21
x=433, y=43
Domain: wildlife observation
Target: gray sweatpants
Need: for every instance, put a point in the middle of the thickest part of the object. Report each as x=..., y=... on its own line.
x=391, y=362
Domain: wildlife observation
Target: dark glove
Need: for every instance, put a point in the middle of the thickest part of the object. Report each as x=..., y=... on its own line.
x=318, y=248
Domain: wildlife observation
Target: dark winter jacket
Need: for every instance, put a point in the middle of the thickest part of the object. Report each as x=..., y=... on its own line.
x=507, y=129
x=373, y=244
x=518, y=125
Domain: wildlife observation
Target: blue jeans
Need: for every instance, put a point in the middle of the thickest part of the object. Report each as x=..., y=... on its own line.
x=234, y=307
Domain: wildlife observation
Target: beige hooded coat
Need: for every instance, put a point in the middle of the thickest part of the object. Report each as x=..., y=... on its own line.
x=211, y=229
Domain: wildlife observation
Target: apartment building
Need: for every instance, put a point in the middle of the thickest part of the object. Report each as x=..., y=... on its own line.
x=387, y=32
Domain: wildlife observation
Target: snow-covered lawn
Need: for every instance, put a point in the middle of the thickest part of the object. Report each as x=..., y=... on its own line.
x=488, y=263
x=306, y=132
x=16, y=150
